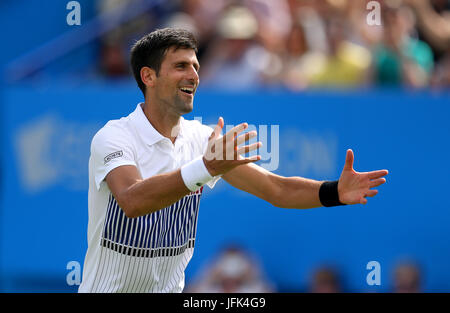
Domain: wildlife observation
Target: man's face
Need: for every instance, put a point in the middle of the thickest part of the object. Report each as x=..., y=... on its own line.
x=178, y=80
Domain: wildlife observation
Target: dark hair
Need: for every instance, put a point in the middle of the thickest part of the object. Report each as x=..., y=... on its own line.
x=151, y=49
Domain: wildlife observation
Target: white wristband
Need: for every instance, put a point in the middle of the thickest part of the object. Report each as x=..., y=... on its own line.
x=195, y=174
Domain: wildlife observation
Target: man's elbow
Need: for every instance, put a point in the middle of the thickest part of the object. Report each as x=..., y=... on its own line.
x=283, y=200
x=279, y=203
x=276, y=199
x=131, y=213
x=133, y=207
x=128, y=206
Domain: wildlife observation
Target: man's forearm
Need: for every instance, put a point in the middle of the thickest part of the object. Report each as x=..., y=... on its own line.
x=280, y=191
x=298, y=193
x=154, y=193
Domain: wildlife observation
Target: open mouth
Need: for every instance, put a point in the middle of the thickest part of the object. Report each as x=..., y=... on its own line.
x=187, y=90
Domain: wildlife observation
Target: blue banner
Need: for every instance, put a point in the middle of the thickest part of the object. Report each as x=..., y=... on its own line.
x=44, y=214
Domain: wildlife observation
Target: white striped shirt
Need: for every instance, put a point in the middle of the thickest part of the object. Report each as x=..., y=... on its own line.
x=149, y=253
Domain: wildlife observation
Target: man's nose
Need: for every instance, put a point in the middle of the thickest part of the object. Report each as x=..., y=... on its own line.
x=193, y=75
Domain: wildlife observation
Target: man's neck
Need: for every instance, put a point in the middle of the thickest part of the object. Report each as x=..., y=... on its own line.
x=164, y=122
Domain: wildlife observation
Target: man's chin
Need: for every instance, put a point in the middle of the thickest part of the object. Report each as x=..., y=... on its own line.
x=184, y=106
x=187, y=108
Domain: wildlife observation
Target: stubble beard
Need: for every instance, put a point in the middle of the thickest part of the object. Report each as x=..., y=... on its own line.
x=182, y=106
x=176, y=105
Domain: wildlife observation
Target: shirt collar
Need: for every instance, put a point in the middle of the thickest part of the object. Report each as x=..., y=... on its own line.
x=146, y=130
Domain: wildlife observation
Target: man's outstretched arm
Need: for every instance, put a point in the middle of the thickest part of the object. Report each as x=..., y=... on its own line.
x=137, y=196
x=303, y=193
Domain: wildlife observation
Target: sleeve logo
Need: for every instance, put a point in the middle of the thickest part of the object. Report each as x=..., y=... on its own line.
x=113, y=155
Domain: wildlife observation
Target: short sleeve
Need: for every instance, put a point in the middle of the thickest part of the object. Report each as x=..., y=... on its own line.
x=206, y=132
x=110, y=148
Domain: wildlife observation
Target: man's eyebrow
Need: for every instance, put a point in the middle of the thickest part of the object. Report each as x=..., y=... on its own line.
x=196, y=65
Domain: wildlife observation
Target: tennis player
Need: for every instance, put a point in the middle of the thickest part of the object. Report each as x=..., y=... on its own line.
x=147, y=172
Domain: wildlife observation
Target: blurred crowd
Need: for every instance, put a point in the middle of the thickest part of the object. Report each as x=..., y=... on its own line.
x=235, y=270
x=297, y=44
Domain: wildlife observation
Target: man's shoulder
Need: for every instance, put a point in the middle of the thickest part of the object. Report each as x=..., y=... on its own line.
x=113, y=130
x=117, y=125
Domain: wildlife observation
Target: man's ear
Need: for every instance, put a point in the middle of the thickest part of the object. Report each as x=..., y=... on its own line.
x=148, y=76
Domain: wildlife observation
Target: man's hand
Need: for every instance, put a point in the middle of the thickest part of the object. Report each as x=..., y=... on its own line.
x=223, y=153
x=354, y=187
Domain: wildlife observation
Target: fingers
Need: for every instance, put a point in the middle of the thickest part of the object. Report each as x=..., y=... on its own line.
x=235, y=131
x=218, y=129
x=247, y=149
x=377, y=174
x=227, y=147
x=349, y=160
x=376, y=182
x=249, y=160
x=233, y=149
x=230, y=142
x=371, y=193
x=245, y=137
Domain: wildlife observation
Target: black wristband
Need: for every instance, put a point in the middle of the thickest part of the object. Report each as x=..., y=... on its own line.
x=328, y=194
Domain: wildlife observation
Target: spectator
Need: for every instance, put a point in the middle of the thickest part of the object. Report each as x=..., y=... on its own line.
x=441, y=75
x=236, y=60
x=345, y=65
x=400, y=58
x=113, y=48
x=234, y=271
x=407, y=278
x=297, y=43
x=204, y=15
x=325, y=280
x=295, y=65
x=433, y=19
x=435, y=26
x=115, y=44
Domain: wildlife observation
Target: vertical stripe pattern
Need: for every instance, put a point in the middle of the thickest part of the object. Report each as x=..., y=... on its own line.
x=148, y=253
